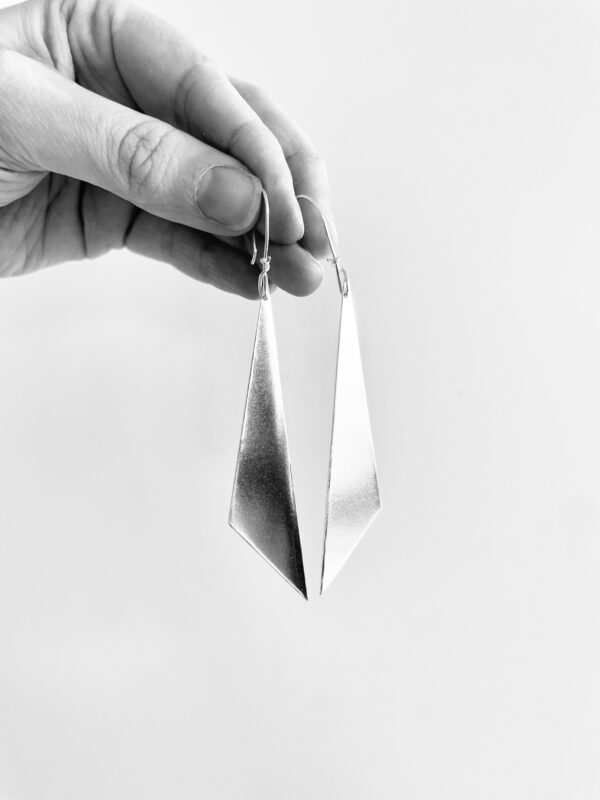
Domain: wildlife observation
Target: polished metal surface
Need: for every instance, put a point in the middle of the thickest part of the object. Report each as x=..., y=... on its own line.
x=353, y=498
x=263, y=508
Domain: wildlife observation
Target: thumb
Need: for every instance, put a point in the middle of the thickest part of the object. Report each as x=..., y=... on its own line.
x=50, y=123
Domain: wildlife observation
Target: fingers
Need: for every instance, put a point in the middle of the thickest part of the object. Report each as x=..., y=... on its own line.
x=221, y=263
x=196, y=254
x=155, y=164
x=307, y=167
x=294, y=269
x=84, y=221
x=50, y=123
x=15, y=185
x=189, y=91
x=292, y=266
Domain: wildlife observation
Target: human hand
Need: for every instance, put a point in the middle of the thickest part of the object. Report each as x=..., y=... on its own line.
x=116, y=131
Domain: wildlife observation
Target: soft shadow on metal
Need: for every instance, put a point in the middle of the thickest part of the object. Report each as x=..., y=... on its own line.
x=263, y=507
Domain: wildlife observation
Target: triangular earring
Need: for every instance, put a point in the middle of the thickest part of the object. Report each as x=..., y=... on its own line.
x=263, y=506
x=353, y=498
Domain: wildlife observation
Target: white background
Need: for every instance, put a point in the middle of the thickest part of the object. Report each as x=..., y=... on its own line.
x=145, y=650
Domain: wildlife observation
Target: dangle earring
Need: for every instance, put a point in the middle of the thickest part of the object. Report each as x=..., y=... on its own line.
x=353, y=499
x=263, y=506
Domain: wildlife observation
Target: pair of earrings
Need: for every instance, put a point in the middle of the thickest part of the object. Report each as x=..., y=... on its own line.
x=263, y=506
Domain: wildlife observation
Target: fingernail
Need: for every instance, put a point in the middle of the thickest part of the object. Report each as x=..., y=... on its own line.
x=228, y=195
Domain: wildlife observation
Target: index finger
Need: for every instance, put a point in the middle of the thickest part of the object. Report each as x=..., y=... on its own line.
x=169, y=78
x=308, y=169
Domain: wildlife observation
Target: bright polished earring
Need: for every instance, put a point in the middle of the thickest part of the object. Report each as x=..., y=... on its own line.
x=353, y=498
x=263, y=506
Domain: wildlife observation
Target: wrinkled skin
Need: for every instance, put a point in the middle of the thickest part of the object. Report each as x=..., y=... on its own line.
x=100, y=149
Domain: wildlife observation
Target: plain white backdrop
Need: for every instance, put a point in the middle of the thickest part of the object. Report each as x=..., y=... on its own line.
x=145, y=650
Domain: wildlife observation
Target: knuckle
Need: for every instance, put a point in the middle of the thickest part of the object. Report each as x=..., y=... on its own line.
x=86, y=9
x=51, y=7
x=144, y=153
x=252, y=139
x=9, y=62
x=313, y=159
x=187, y=89
x=308, y=163
x=243, y=132
x=262, y=98
x=256, y=95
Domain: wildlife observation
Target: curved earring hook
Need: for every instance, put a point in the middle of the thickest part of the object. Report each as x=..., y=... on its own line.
x=265, y=261
x=335, y=259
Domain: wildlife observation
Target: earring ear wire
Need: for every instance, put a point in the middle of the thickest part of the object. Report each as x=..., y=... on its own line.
x=334, y=258
x=265, y=261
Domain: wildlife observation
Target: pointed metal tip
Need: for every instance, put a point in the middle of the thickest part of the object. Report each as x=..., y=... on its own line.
x=263, y=506
x=304, y=593
x=299, y=587
x=297, y=582
x=328, y=575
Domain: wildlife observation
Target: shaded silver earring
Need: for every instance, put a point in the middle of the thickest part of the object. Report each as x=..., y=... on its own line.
x=353, y=498
x=263, y=506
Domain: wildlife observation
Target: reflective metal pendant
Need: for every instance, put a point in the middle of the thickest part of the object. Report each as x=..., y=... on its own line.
x=353, y=498
x=263, y=507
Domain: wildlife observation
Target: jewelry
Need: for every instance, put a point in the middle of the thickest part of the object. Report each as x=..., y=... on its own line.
x=353, y=499
x=263, y=506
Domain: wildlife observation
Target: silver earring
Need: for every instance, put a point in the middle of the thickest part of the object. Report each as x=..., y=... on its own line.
x=263, y=506
x=353, y=499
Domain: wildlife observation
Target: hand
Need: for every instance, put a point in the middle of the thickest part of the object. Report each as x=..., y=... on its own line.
x=116, y=131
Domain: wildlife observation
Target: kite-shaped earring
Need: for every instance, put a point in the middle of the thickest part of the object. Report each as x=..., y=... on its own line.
x=263, y=506
x=353, y=498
